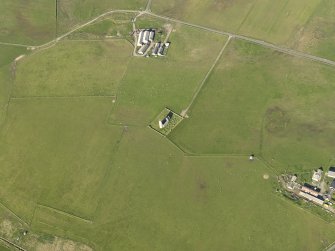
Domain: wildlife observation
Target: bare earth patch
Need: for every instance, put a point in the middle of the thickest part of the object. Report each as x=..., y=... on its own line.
x=60, y=244
x=6, y=228
x=19, y=58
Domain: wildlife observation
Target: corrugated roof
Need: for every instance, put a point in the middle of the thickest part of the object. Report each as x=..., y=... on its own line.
x=316, y=200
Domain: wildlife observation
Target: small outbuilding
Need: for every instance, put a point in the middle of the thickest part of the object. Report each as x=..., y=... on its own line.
x=155, y=49
x=331, y=172
x=161, y=50
x=310, y=189
x=317, y=175
x=151, y=35
x=146, y=37
x=332, y=185
x=164, y=122
x=143, y=49
x=140, y=38
x=317, y=200
x=294, y=178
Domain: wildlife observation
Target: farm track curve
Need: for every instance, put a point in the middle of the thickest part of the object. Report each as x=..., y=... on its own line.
x=147, y=11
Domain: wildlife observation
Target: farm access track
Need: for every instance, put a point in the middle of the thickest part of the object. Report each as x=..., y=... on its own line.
x=230, y=36
x=148, y=12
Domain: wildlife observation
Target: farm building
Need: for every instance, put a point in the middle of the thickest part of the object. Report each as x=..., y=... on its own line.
x=161, y=50
x=164, y=122
x=144, y=39
x=316, y=200
x=151, y=35
x=317, y=175
x=140, y=38
x=146, y=36
x=292, y=182
x=332, y=185
x=143, y=49
x=331, y=172
x=310, y=190
x=155, y=49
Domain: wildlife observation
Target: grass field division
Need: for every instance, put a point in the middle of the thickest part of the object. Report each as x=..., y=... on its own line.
x=82, y=165
x=253, y=40
x=276, y=118
x=184, y=112
x=12, y=244
x=147, y=12
x=11, y=44
x=304, y=26
x=64, y=213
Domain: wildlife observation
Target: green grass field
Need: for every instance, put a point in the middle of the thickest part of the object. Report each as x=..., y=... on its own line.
x=70, y=164
x=8, y=54
x=274, y=21
x=4, y=91
x=303, y=25
x=82, y=170
x=27, y=22
x=74, y=69
x=151, y=84
x=260, y=101
x=173, y=201
x=117, y=25
x=36, y=22
x=318, y=36
x=2, y=248
x=71, y=12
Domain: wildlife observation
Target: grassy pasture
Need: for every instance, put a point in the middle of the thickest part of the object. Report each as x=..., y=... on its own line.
x=5, y=82
x=12, y=229
x=3, y=248
x=184, y=205
x=249, y=216
x=154, y=198
x=66, y=171
x=8, y=54
x=150, y=84
x=116, y=25
x=318, y=35
x=55, y=223
x=274, y=21
x=54, y=152
x=140, y=172
x=138, y=186
x=72, y=12
x=260, y=101
x=179, y=201
x=302, y=25
x=28, y=22
x=74, y=69
x=227, y=114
